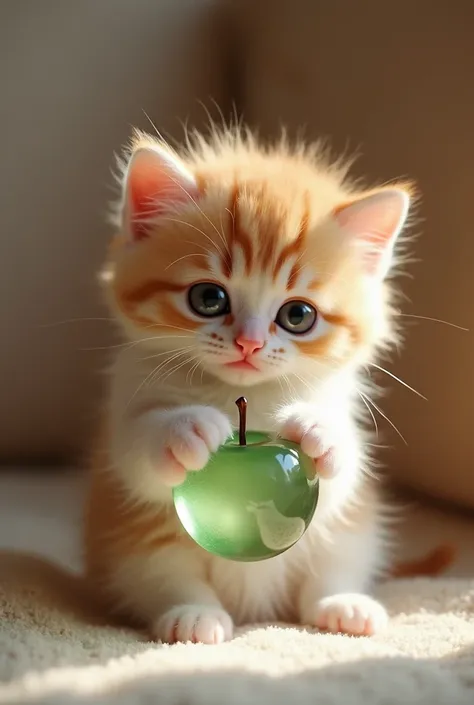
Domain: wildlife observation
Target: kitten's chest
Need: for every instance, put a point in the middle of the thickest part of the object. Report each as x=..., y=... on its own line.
x=256, y=592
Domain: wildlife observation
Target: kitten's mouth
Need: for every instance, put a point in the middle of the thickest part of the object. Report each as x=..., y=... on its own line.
x=242, y=365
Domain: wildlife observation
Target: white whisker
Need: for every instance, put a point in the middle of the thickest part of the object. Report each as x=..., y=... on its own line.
x=168, y=325
x=175, y=369
x=290, y=385
x=194, y=227
x=370, y=412
x=150, y=375
x=134, y=343
x=180, y=259
x=75, y=320
x=374, y=405
x=305, y=382
x=193, y=200
x=189, y=377
x=163, y=364
x=434, y=320
x=390, y=374
x=167, y=352
x=368, y=472
x=281, y=386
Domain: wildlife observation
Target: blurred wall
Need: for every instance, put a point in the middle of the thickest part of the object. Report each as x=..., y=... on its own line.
x=395, y=82
x=391, y=81
x=74, y=78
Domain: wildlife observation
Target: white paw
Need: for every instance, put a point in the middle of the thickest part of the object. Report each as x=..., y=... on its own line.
x=199, y=624
x=319, y=442
x=359, y=615
x=189, y=436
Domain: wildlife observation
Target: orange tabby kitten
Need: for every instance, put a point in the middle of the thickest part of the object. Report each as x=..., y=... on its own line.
x=241, y=270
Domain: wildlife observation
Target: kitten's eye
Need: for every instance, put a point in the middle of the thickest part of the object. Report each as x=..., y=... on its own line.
x=208, y=299
x=296, y=317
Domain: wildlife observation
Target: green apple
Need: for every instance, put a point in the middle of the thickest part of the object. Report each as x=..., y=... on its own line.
x=253, y=500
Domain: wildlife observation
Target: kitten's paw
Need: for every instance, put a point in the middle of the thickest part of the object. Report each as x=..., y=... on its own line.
x=190, y=436
x=356, y=614
x=199, y=624
x=317, y=441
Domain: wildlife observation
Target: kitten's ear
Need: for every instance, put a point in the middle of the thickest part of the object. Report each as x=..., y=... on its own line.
x=155, y=181
x=375, y=221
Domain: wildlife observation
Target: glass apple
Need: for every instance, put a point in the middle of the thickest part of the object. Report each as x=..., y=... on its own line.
x=253, y=500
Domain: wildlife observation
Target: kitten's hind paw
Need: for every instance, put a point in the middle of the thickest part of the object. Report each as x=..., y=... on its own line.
x=199, y=624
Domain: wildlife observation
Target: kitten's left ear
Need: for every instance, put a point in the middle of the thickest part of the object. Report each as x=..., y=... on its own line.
x=375, y=222
x=155, y=182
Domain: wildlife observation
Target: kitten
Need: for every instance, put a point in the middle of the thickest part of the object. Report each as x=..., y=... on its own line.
x=238, y=269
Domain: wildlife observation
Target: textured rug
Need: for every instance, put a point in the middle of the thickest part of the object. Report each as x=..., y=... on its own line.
x=54, y=648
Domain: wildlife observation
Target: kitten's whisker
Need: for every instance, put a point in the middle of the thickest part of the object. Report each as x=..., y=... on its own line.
x=177, y=367
x=157, y=212
x=281, y=386
x=114, y=346
x=223, y=235
x=305, y=382
x=290, y=385
x=134, y=343
x=193, y=370
x=434, y=320
x=163, y=364
x=397, y=379
x=168, y=325
x=315, y=375
x=75, y=320
x=302, y=266
x=139, y=388
x=369, y=472
x=374, y=405
x=190, y=225
x=166, y=352
x=193, y=200
x=150, y=375
x=324, y=364
x=371, y=413
x=208, y=252
x=180, y=259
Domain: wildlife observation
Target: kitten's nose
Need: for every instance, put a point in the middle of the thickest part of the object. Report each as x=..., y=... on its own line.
x=248, y=345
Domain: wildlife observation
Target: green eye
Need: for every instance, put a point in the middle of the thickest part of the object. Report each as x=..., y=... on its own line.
x=208, y=299
x=296, y=317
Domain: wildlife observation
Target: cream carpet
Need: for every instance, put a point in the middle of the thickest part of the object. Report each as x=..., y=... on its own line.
x=54, y=649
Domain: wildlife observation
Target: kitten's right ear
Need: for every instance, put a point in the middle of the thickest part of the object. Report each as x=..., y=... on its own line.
x=155, y=181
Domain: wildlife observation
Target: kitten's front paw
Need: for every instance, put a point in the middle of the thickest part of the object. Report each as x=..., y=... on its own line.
x=318, y=441
x=190, y=435
x=199, y=624
x=356, y=614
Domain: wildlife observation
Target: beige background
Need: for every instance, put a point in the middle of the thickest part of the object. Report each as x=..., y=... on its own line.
x=74, y=78
x=395, y=82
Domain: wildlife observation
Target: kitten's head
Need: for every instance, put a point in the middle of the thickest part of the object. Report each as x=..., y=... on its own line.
x=253, y=263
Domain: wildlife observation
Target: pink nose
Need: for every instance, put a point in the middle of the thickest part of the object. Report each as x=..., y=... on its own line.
x=247, y=345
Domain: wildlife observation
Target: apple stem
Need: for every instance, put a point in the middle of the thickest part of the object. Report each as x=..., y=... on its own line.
x=242, y=407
